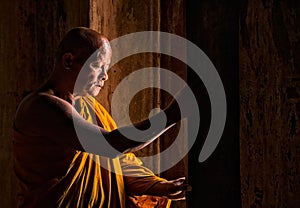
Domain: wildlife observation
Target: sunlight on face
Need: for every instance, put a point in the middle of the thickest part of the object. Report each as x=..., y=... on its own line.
x=94, y=72
x=97, y=74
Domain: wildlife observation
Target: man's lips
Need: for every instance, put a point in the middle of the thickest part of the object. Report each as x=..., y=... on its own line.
x=99, y=85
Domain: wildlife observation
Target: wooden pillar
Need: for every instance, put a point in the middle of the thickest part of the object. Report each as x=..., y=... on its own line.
x=270, y=103
x=117, y=18
x=30, y=33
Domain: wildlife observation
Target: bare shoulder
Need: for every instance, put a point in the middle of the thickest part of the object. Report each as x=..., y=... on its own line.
x=41, y=102
x=40, y=109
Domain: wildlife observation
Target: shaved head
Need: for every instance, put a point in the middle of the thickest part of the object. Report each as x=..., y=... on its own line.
x=83, y=57
x=82, y=39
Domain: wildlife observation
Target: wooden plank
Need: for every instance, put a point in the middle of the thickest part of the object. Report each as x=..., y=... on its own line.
x=269, y=103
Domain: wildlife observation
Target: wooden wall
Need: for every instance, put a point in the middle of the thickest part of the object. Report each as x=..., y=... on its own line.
x=30, y=32
x=270, y=103
x=256, y=43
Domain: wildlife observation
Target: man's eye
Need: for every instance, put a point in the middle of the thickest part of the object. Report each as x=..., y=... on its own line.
x=96, y=65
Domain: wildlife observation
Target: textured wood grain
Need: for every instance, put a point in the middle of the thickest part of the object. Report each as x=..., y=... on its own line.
x=269, y=103
x=30, y=32
x=114, y=19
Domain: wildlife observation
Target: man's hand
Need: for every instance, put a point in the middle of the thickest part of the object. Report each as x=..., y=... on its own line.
x=177, y=189
x=174, y=189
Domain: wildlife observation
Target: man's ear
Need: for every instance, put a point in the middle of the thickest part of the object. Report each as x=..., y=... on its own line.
x=67, y=60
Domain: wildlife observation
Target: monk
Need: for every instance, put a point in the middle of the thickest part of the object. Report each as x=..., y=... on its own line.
x=53, y=167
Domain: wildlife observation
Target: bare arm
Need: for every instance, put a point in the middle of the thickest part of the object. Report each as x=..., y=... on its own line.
x=56, y=119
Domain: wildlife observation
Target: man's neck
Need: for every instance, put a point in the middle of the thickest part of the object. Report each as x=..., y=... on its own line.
x=54, y=88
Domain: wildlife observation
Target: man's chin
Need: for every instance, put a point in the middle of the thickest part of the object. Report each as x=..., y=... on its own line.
x=95, y=92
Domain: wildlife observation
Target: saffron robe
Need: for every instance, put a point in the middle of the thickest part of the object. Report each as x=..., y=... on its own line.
x=51, y=175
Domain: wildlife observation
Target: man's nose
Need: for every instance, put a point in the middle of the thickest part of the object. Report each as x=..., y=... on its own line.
x=103, y=76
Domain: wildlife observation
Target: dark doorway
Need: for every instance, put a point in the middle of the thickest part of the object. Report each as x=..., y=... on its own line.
x=213, y=27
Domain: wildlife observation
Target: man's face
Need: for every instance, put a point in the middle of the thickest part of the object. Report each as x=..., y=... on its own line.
x=94, y=73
